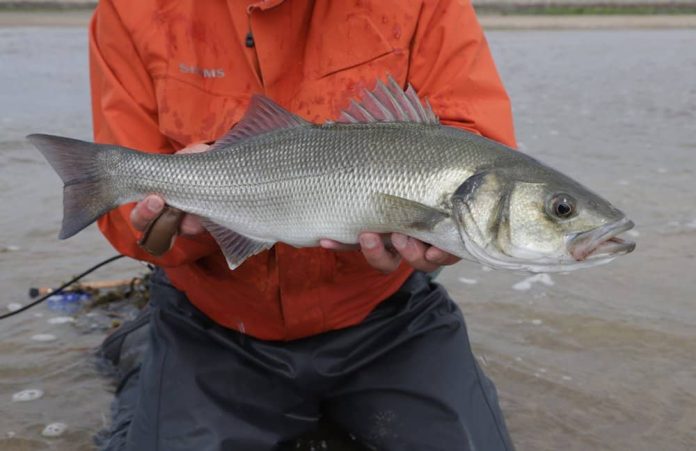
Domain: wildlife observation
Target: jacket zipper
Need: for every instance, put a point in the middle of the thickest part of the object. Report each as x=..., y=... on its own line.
x=250, y=43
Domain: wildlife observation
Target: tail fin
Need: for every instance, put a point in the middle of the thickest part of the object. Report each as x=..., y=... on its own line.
x=87, y=190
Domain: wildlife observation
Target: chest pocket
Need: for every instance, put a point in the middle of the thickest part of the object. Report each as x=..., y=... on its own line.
x=190, y=112
x=354, y=41
x=204, y=89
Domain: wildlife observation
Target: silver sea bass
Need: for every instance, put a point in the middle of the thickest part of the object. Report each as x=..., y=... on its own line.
x=386, y=166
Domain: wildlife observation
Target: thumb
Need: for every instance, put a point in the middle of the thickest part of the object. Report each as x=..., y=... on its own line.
x=145, y=211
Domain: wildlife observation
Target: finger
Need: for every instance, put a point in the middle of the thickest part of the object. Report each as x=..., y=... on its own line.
x=195, y=148
x=191, y=225
x=145, y=211
x=376, y=254
x=413, y=251
x=337, y=246
x=440, y=257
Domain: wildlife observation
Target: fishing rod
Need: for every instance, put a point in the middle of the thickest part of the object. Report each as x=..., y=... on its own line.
x=62, y=287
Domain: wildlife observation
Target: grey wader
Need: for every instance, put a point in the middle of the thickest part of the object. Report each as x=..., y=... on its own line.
x=403, y=379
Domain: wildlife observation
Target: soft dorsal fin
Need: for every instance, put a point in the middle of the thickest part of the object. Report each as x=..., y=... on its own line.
x=389, y=103
x=262, y=116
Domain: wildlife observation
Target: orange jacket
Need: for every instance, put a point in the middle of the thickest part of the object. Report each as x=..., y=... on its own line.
x=168, y=74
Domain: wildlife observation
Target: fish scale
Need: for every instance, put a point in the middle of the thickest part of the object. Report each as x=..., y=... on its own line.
x=340, y=170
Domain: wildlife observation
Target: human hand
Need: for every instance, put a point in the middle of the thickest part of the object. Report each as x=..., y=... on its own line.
x=150, y=208
x=418, y=254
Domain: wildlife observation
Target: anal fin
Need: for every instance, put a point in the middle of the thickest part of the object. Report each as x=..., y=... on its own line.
x=235, y=247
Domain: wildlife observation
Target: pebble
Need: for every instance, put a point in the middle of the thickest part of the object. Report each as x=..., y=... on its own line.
x=526, y=284
x=43, y=337
x=54, y=430
x=468, y=281
x=61, y=320
x=14, y=306
x=566, y=378
x=30, y=394
x=537, y=322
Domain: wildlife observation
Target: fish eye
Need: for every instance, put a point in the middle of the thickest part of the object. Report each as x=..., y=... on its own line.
x=562, y=205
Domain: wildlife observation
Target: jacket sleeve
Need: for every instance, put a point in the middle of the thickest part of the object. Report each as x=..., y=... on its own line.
x=452, y=66
x=124, y=110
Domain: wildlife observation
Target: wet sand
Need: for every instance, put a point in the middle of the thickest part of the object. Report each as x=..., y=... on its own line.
x=597, y=359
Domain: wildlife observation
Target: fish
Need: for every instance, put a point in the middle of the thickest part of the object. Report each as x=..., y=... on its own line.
x=386, y=164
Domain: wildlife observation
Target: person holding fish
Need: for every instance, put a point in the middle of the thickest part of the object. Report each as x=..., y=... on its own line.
x=277, y=302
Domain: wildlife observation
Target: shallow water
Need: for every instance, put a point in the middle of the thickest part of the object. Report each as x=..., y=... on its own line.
x=596, y=359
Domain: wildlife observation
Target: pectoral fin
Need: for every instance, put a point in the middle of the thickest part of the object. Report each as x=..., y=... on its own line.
x=235, y=247
x=409, y=214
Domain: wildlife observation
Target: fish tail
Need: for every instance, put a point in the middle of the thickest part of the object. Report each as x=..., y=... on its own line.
x=87, y=187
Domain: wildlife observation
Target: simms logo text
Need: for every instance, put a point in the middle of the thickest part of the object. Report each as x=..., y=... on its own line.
x=201, y=72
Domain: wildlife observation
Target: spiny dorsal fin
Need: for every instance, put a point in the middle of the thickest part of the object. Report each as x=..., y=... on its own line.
x=262, y=116
x=389, y=103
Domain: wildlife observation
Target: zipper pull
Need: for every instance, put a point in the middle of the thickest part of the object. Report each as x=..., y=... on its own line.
x=249, y=42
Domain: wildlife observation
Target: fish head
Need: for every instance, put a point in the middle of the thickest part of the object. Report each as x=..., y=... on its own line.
x=537, y=219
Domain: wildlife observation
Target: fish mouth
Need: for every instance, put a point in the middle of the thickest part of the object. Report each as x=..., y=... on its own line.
x=602, y=242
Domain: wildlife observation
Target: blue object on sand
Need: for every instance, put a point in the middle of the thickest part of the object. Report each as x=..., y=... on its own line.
x=68, y=302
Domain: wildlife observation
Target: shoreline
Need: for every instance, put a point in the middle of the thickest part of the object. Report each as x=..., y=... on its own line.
x=80, y=18
x=586, y=22
x=10, y=18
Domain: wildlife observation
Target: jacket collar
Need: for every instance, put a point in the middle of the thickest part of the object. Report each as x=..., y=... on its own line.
x=263, y=5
